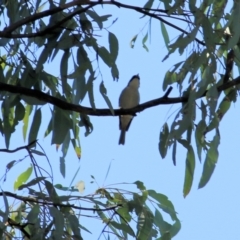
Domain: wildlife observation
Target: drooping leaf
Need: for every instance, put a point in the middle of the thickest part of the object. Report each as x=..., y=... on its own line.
x=103, y=91
x=32, y=183
x=210, y=161
x=19, y=111
x=164, y=203
x=115, y=72
x=144, y=41
x=189, y=167
x=22, y=178
x=85, y=121
x=113, y=46
x=64, y=69
x=170, y=78
x=33, y=214
x=76, y=143
x=234, y=18
x=25, y=120
x=62, y=166
x=145, y=225
x=61, y=124
x=165, y=34
x=58, y=222
x=163, y=140
x=133, y=40
x=37, y=118
x=200, y=137
x=148, y=5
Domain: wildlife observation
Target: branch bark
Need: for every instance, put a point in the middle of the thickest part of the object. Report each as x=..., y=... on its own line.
x=164, y=100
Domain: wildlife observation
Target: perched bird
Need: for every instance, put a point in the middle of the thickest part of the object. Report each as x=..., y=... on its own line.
x=129, y=98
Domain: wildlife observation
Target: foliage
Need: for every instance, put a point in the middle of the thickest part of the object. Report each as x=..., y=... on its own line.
x=45, y=214
x=37, y=33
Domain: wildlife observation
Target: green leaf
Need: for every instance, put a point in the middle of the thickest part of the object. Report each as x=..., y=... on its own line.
x=22, y=178
x=148, y=5
x=175, y=228
x=41, y=7
x=61, y=125
x=49, y=128
x=174, y=151
x=183, y=41
x=214, y=123
x=79, y=86
x=76, y=145
x=65, y=145
x=103, y=91
x=160, y=223
x=37, y=152
x=223, y=107
x=200, y=137
x=144, y=41
x=165, y=34
x=83, y=62
x=104, y=55
x=124, y=227
x=90, y=90
x=64, y=69
x=124, y=212
x=115, y=72
x=58, y=222
x=85, y=121
x=212, y=98
x=19, y=111
x=62, y=166
x=43, y=58
x=234, y=19
x=74, y=224
x=51, y=191
x=208, y=33
x=140, y=185
x=25, y=120
x=32, y=182
x=163, y=140
x=190, y=167
x=133, y=40
x=95, y=17
x=145, y=225
x=32, y=216
x=113, y=46
x=37, y=119
x=170, y=78
x=210, y=161
x=165, y=204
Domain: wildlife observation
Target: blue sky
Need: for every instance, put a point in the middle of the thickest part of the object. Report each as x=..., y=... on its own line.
x=209, y=213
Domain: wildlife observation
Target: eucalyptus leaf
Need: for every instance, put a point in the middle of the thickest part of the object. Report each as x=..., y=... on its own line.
x=103, y=91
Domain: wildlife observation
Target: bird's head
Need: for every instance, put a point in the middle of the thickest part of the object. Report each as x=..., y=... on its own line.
x=134, y=81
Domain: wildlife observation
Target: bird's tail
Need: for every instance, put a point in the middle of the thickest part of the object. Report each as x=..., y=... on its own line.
x=122, y=137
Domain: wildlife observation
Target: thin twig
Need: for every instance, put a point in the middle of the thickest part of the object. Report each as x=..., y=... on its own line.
x=19, y=148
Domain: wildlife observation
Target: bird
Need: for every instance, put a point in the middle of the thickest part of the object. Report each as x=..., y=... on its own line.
x=129, y=98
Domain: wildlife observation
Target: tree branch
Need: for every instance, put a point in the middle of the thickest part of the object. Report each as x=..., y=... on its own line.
x=19, y=148
x=104, y=112
x=50, y=203
x=7, y=32
x=36, y=16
